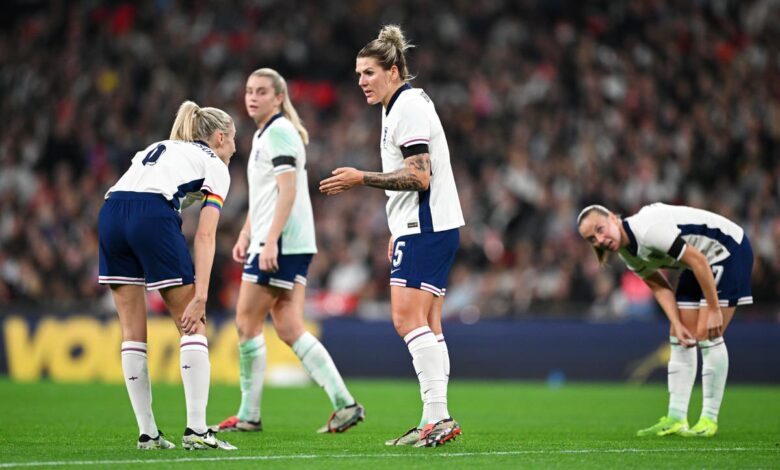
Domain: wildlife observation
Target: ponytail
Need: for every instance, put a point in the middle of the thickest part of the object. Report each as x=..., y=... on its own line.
x=196, y=123
x=389, y=49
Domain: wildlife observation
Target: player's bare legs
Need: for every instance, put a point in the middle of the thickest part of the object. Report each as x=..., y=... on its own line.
x=195, y=371
x=411, y=309
x=254, y=303
x=287, y=315
x=130, y=301
x=286, y=308
x=714, y=372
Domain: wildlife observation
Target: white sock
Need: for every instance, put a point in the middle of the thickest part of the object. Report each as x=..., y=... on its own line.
x=429, y=366
x=445, y=355
x=322, y=370
x=136, y=371
x=195, y=375
x=446, y=363
x=683, y=363
x=714, y=371
x=252, y=360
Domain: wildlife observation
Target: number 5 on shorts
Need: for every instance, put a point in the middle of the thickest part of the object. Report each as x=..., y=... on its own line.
x=398, y=254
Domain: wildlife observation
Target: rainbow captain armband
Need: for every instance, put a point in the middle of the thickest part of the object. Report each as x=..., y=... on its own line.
x=213, y=200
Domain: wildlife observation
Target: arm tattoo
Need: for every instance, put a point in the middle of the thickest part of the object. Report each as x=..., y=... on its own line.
x=407, y=178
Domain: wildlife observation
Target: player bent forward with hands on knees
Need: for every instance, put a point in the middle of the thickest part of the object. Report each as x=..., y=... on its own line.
x=142, y=248
x=424, y=216
x=716, y=260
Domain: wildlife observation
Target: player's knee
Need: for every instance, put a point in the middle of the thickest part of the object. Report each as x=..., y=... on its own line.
x=404, y=323
x=247, y=326
x=289, y=335
x=289, y=329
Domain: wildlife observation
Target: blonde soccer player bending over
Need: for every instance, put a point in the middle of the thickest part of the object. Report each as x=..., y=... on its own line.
x=716, y=260
x=276, y=245
x=142, y=248
x=424, y=216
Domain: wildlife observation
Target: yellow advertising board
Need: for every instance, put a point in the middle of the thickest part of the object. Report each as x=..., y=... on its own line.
x=86, y=349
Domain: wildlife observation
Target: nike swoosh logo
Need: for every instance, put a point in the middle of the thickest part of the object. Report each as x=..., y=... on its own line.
x=213, y=446
x=394, y=270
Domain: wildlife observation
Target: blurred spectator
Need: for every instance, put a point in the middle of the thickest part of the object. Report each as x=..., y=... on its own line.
x=549, y=106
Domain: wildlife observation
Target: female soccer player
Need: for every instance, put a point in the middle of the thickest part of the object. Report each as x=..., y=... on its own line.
x=716, y=260
x=141, y=245
x=424, y=216
x=276, y=245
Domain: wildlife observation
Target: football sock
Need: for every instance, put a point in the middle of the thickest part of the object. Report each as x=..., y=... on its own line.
x=195, y=375
x=446, y=358
x=252, y=361
x=683, y=363
x=429, y=366
x=714, y=371
x=320, y=367
x=136, y=371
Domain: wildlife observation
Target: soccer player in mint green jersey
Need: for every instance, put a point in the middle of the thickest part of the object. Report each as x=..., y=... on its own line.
x=276, y=245
x=715, y=260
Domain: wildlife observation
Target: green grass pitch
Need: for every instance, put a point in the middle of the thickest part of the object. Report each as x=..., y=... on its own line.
x=505, y=425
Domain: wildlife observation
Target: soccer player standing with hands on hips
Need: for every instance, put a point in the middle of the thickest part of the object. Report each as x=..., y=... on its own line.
x=424, y=216
x=716, y=258
x=142, y=248
x=276, y=245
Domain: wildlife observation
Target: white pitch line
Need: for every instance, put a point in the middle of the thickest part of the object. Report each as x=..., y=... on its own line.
x=55, y=463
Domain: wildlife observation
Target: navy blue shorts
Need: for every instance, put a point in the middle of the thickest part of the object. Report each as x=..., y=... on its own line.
x=423, y=260
x=141, y=242
x=292, y=269
x=733, y=277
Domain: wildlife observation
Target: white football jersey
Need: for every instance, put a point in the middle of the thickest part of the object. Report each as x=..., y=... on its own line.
x=410, y=119
x=276, y=149
x=175, y=168
x=659, y=234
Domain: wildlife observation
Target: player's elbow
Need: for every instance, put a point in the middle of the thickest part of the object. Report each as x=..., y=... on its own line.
x=205, y=237
x=696, y=259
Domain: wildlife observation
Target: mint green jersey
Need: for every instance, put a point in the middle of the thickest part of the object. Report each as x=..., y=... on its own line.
x=277, y=149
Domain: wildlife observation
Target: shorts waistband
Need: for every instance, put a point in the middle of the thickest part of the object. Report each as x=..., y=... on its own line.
x=133, y=196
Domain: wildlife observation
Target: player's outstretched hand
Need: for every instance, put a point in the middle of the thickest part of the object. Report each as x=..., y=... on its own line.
x=342, y=180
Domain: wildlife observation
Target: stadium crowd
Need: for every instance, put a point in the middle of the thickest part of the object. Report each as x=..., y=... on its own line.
x=548, y=105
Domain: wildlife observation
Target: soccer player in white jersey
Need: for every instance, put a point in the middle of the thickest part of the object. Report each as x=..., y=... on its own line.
x=716, y=260
x=142, y=247
x=276, y=245
x=424, y=216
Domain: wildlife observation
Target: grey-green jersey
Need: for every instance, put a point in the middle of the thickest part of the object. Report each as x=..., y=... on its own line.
x=277, y=149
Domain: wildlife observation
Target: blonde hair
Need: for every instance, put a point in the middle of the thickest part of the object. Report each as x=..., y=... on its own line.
x=389, y=49
x=601, y=253
x=288, y=110
x=196, y=123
